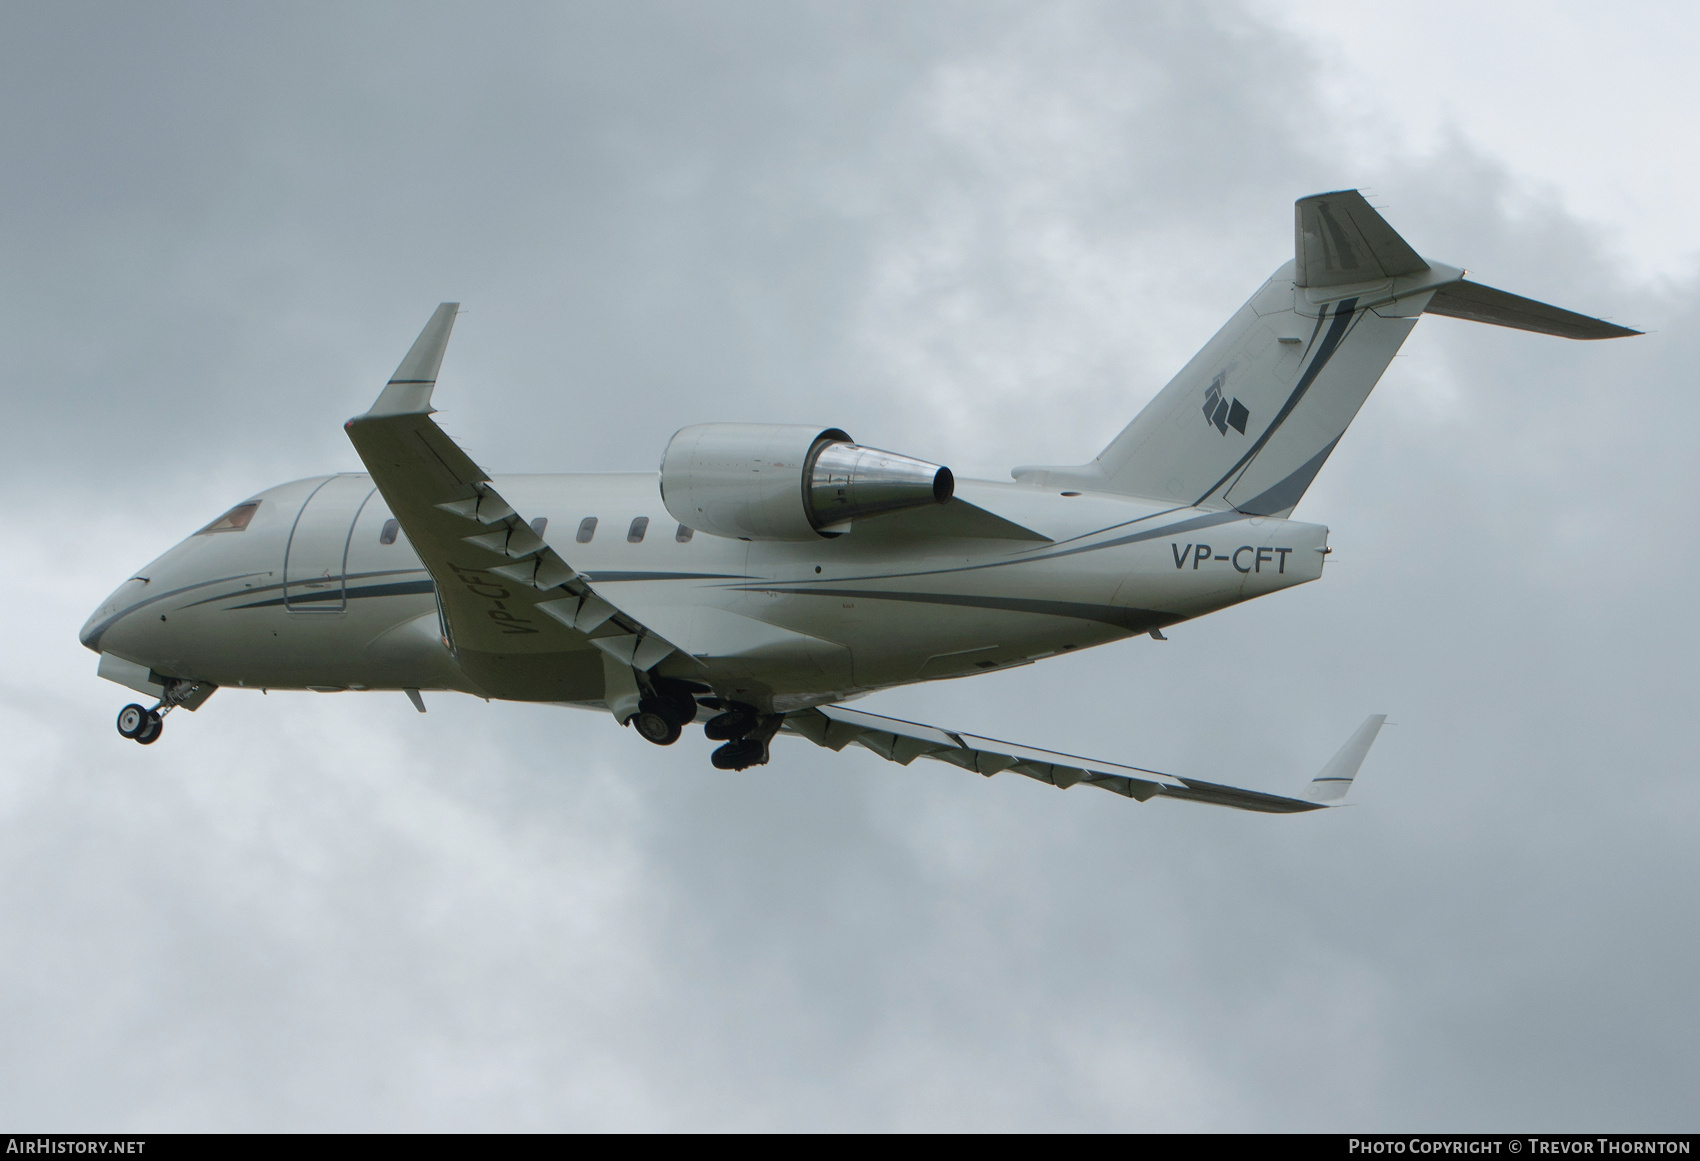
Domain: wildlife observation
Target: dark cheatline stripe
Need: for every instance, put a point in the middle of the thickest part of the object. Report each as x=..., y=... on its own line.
x=394, y=589
x=278, y=587
x=611, y=577
x=1134, y=620
x=91, y=637
x=1330, y=343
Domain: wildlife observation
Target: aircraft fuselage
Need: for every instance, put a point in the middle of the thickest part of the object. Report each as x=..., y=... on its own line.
x=321, y=591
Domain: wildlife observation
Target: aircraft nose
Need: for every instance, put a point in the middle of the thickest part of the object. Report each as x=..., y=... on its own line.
x=111, y=611
x=89, y=634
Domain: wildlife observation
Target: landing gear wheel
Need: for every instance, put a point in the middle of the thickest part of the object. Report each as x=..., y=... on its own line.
x=740, y=755
x=729, y=726
x=682, y=701
x=656, y=722
x=155, y=727
x=132, y=721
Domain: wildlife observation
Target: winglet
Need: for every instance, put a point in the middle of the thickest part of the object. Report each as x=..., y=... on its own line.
x=1336, y=778
x=409, y=389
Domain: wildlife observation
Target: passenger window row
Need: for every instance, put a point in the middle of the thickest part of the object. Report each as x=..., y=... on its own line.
x=635, y=532
x=586, y=529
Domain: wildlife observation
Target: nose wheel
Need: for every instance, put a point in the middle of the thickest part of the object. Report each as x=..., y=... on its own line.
x=143, y=726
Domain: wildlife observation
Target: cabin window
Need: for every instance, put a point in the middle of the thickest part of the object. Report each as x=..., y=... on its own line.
x=235, y=520
x=684, y=534
x=586, y=529
x=391, y=528
x=634, y=534
x=539, y=524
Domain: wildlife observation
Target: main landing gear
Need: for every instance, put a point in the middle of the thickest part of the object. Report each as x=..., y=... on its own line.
x=663, y=715
x=669, y=706
x=746, y=733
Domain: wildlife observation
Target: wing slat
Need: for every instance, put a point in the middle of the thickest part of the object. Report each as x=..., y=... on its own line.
x=502, y=589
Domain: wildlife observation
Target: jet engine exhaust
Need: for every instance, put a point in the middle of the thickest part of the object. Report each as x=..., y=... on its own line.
x=845, y=482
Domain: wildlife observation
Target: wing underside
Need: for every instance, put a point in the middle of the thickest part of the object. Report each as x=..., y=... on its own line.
x=895, y=740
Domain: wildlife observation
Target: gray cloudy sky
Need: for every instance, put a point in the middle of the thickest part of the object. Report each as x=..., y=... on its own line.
x=981, y=233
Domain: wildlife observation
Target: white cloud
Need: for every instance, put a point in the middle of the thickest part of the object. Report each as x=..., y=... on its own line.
x=989, y=229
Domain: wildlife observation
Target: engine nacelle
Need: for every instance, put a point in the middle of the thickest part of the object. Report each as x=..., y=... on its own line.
x=771, y=481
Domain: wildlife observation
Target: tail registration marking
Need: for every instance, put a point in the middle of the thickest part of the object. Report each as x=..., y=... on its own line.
x=1258, y=557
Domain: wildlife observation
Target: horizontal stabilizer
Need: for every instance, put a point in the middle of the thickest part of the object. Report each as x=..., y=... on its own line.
x=1339, y=240
x=1336, y=778
x=1483, y=304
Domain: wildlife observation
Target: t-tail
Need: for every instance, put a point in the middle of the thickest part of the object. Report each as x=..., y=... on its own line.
x=1249, y=422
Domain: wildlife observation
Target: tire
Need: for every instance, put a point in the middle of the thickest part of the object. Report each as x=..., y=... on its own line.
x=729, y=726
x=132, y=721
x=740, y=755
x=682, y=701
x=155, y=727
x=655, y=723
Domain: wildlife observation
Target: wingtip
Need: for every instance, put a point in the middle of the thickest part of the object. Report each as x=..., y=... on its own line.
x=1331, y=786
x=409, y=390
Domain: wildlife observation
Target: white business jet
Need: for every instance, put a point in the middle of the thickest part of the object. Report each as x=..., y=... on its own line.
x=771, y=572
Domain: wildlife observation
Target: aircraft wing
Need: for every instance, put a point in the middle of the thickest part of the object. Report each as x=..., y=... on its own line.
x=902, y=742
x=505, y=595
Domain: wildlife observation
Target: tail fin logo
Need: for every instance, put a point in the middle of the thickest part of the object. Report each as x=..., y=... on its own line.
x=1221, y=414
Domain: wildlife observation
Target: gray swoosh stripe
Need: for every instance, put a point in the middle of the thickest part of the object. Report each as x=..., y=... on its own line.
x=1206, y=521
x=1197, y=522
x=611, y=577
x=92, y=638
x=1134, y=620
x=360, y=592
x=272, y=588
x=1286, y=494
x=1325, y=351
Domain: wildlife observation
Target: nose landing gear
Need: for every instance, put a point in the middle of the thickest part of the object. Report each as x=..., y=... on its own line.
x=140, y=725
x=144, y=726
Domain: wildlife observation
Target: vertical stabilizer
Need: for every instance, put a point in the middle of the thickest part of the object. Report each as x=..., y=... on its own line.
x=1339, y=240
x=1249, y=422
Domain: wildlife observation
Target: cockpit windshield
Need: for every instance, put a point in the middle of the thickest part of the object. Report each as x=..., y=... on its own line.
x=235, y=520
